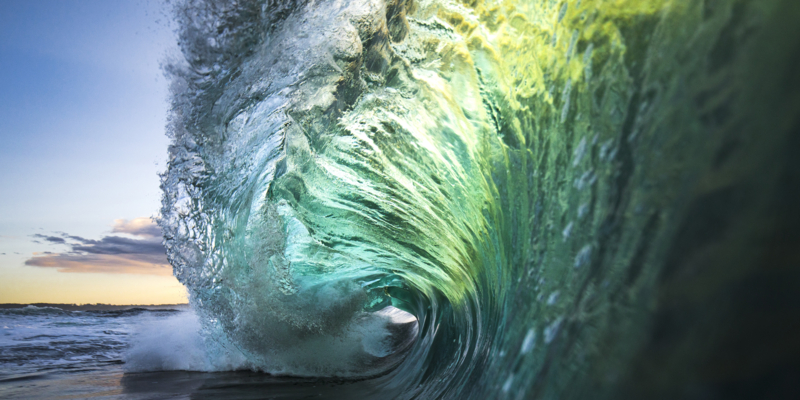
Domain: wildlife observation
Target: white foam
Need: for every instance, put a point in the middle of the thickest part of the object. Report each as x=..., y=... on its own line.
x=357, y=350
x=175, y=343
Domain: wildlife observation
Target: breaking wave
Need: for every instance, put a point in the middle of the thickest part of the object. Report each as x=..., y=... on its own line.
x=474, y=199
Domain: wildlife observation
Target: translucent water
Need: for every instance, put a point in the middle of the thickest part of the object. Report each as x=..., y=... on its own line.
x=570, y=197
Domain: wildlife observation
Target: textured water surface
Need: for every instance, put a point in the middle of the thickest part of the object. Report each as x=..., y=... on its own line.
x=50, y=353
x=573, y=199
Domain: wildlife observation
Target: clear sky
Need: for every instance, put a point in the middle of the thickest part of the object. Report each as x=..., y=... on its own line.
x=83, y=105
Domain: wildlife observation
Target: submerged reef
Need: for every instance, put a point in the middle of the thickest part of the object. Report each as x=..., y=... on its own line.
x=584, y=199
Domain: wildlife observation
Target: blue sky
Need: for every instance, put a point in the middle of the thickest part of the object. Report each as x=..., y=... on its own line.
x=83, y=104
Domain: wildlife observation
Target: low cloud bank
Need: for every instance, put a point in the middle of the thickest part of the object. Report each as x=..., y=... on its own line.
x=141, y=253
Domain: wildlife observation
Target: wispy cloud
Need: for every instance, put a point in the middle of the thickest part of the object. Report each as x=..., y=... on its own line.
x=142, y=253
x=50, y=239
x=143, y=227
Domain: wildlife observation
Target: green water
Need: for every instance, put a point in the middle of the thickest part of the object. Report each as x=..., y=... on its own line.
x=582, y=199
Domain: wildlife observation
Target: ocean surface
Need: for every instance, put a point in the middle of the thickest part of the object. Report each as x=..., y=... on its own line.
x=47, y=352
x=477, y=199
x=135, y=353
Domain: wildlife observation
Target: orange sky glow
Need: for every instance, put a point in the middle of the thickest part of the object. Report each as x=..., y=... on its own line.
x=127, y=266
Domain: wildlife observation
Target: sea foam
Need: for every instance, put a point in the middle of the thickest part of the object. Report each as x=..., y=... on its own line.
x=179, y=342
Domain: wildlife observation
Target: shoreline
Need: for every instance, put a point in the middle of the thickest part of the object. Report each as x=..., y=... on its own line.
x=94, y=307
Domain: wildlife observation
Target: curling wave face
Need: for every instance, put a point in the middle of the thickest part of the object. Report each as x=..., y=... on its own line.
x=508, y=173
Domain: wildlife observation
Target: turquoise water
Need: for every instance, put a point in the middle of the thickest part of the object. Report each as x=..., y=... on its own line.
x=573, y=199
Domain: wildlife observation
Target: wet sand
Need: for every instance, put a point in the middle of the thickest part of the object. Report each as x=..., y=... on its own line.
x=183, y=385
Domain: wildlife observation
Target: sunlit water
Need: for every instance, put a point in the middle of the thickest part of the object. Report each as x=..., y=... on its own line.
x=566, y=199
x=575, y=199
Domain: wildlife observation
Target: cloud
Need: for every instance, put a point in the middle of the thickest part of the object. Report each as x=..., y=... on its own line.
x=143, y=227
x=51, y=239
x=142, y=254
x=116, y=264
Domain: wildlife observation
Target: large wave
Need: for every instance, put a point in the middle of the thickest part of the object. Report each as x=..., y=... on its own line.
x=542, y=184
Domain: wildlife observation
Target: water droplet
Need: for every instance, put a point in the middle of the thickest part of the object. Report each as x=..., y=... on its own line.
x=507, y=385
x=553, y=298
x=583, y=255
x=551, y=330
x=529, y=342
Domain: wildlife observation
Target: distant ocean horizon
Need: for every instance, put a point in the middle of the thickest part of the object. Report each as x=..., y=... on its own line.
x=89, y=306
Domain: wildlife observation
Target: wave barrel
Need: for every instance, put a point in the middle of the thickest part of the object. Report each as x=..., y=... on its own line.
x=510, y=199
